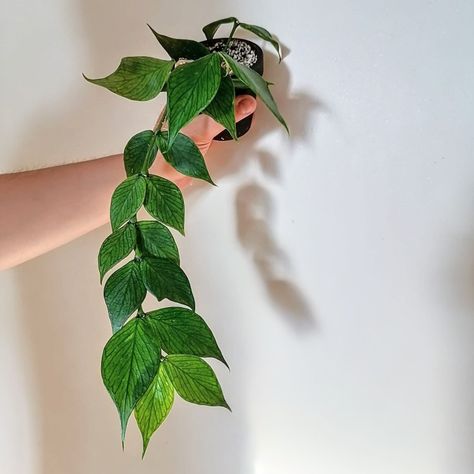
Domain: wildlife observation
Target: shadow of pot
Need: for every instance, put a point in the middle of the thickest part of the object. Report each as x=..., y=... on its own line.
x=245, y=52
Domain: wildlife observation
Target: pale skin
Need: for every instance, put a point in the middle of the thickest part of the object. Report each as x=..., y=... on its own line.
x=46, y=208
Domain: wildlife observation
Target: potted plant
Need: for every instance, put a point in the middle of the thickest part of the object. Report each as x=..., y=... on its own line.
x=151, y=355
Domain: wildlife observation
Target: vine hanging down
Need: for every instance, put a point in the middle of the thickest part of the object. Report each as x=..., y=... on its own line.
x=153, y=355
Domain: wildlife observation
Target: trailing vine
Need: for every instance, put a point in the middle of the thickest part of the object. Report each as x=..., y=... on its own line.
x=151, y=355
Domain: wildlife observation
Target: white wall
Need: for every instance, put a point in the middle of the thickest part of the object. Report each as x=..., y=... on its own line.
x=336, y=267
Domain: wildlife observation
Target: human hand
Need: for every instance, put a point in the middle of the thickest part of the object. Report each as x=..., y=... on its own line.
x=203, y=128
x=202, y=131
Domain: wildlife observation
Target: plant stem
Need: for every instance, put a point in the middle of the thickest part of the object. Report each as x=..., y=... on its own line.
x=236, y=24
x=160, y=121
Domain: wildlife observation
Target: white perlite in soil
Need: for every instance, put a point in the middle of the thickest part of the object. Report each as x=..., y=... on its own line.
x=238, y=50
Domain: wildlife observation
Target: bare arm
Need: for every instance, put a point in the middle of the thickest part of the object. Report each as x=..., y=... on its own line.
x=43, y=209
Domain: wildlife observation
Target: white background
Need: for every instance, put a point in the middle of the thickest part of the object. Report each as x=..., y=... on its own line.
x=336, y=266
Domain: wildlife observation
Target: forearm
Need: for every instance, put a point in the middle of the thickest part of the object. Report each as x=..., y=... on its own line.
x=43, y=209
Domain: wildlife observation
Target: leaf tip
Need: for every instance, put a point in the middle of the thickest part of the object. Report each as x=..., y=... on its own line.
x=145, y=446
x=88, y=79
x=123, y=423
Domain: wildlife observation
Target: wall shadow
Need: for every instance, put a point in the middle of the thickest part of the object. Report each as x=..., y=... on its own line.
x=254, y=204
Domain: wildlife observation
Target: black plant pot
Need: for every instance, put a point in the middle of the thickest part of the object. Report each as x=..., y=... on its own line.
x=240, y=51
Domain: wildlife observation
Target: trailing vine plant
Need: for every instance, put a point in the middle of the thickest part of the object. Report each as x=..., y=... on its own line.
x=152, y=355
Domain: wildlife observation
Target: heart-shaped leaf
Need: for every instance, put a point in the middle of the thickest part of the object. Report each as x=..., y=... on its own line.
x=255, y=83
x=130, y=362
x=182, y=331
x=137, y=78
x=140, y=152
x=181, y=48
x=221, y=109
x=164, y=202
x=154, y=406
x=210, y=29
x=126, y=200
x=155, y=239
x=194, y=380
x=164, y=279
x=124, y=292
x=116, y=247
x=191, y=88
x=264, y=34
x=184, y=156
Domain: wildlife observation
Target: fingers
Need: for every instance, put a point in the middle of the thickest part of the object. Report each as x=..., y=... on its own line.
x=203, y=128
x=245, y=105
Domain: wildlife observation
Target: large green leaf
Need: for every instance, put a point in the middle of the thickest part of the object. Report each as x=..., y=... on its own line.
x=191, y=88
x=126, y=200
x=124, y=292
x=264, y=34
x=154, y=406
x=156, y=240
x=137, y=78
x=221, y=109
x=140, y=152
x=194, y=380
x=164, y=279
x=181, y=48
x=210, y=29
x=130, y=361
x=116, y=247
x=184, y=156
x=182, y=331
x=257, y=84
x=164, y=202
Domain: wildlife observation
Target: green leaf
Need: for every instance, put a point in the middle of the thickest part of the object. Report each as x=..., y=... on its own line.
x=130, y=361
x=124, y=292
x=264, y=34
x=154, y=406
x=184, y=156
x=182, y=331
x=116, y=247
x=164, y=202
x=181, y=48
x=126, y=200
x=140, y=152
x=156, y=240
x=194, y=380
x=137, y=78
x=257, y=84
x=221, y=109
x=164, y=279
x=191, y=88
x=210, y=29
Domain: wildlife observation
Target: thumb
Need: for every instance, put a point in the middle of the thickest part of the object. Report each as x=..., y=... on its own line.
x=245, y=105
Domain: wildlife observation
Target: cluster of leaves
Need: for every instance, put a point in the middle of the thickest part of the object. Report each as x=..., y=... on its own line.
x=152, y=355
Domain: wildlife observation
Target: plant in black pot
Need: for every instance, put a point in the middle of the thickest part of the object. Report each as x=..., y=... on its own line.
x=154, y=354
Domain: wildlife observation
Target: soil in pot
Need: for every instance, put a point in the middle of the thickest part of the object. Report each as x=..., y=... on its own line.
x=249, y=54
